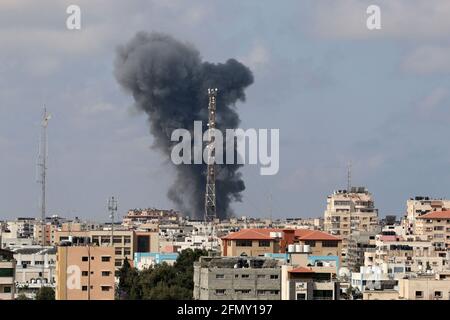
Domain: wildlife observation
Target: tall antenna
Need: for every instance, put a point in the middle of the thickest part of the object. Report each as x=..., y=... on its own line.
x=112, y=207
x=210, y=195
x=42, y=164
x=349, y=176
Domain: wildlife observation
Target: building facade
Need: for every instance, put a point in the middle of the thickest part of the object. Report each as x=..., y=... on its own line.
x=349, y=211
x=236, y=278
x=7, y=275
x=85, y=273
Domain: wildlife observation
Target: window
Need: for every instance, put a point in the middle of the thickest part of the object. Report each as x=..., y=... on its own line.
x=264, y=243
x=84, y=259
x=243, y=243
x=84, y=273
x=330, y=244
x=6, y=272
x=220, y=292
x=438, y=294
x=311, y=243
x=84, y=288
x=419, y=294
x=7, y=290
x=106, y=288
x=273, y=276
x=261, y=276
x=106, y=273
x=220, y=276
x=243, y=291
x=245, y=276
x=117, y=239
x=127, y=239
x=274, y=291
x=126, y=252
x=118, y=263
x=106, y=259
x=118, y=251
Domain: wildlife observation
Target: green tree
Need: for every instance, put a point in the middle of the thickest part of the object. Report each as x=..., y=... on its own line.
x=127, y=279
x=45, y=293
x=161, y=282
x=22, y=296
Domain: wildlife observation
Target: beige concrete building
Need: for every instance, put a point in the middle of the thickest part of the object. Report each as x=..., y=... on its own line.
x=302, y=280
x=125, y=242
x=236, y=278
x=435, y=226
x=85, y=273
x=435, y=287
x=418, y=206
x=7, y=275
x=258, y=242
x=350, y=211
x=50, y=231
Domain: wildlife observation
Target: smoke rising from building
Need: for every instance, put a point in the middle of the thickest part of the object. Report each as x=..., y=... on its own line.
x=169, y=81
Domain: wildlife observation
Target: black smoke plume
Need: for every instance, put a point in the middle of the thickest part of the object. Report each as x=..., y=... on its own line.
x=169, y=81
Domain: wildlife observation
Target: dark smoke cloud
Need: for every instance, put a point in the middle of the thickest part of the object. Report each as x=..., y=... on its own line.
x=169, y=81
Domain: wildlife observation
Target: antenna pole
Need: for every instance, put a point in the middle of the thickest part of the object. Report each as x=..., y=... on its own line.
x=349, y=176
x=210, y=195
x=112, y=207
x=43, y=181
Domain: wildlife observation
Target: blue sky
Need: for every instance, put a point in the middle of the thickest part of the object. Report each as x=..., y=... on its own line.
x=337, y=91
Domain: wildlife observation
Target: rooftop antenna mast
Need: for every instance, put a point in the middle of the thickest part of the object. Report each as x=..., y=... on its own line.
x=210, y=195
x=42, y=164
x=349, y=176
x=112, y=207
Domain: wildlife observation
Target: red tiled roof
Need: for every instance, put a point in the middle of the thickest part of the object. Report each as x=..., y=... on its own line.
x=264, y=234
x=305, y=234
x=389, y=238
x=436, y=215
x=251, y=234
x=301, y=270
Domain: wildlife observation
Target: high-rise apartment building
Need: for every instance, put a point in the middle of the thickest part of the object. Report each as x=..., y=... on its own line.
x=349, y=211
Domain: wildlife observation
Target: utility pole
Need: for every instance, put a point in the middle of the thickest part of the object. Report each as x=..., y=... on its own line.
x=210, y=195
x=112, y=207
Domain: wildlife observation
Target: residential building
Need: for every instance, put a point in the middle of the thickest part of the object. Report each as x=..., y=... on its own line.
x=349, y=211
x=418, y=206
x=85, y=273
x=359, y=243
x=258, y=242
x=304, y=283
x=7, y=275
x=35, y=268
x=125, y=242
x=302, y=279
x=237, y=278
x=49, y=230
x=429, y=287
x=435, y=226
